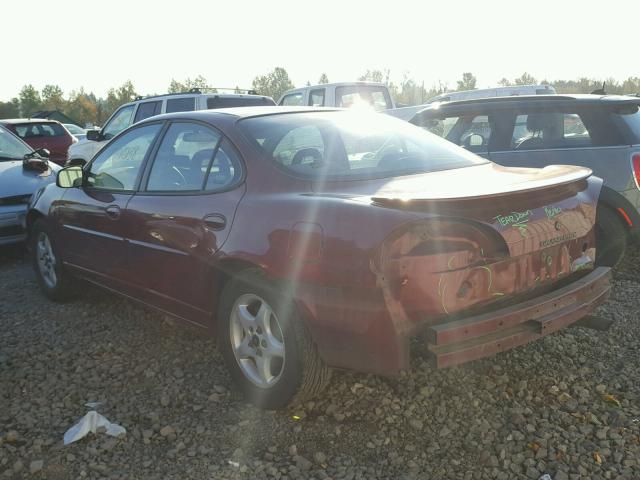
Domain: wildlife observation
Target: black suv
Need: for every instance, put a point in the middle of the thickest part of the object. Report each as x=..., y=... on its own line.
x=601, y=132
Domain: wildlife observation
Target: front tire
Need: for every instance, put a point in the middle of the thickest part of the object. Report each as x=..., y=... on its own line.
x=54, y=281
x=265, y=344
x=611, y=238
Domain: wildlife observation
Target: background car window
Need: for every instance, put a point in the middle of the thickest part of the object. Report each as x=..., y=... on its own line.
x=439, y=126
x=117, y=166
x=225, y=169
x=549, y=130
x=472, y=132
x=293, y=99
x=187, y=104
x=359, y=95
x=316, y=98
x=31, y=130
x=120, y=121
x=238, y=101
x=183, y=158
x=147, y=109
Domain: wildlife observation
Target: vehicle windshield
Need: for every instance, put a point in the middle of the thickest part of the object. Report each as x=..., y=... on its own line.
x=352, y=145
x=74, y=129
x=11, y=148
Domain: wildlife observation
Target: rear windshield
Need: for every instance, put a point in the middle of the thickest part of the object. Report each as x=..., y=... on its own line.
x=228, y=102
x=349, y=145
x=31, y=130
x=363, y=95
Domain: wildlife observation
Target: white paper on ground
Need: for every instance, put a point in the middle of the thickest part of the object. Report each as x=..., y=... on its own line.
x=90, y=423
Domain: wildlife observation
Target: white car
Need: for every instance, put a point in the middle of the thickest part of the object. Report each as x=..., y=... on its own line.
x=23, y=171
x=407, y=113
x=130, y=113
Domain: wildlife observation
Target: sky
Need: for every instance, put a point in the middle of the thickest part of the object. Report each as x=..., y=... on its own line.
x=99, y=45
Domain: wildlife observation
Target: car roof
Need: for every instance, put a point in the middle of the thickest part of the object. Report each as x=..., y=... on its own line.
x=541, y=100
x=27, y=120
x=240, y=112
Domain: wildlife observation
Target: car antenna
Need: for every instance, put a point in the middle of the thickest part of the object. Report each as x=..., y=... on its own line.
x=599, y=91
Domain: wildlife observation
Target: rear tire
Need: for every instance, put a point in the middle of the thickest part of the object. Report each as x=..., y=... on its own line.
x=295, y=371
x=54, y=281
x=611, y=238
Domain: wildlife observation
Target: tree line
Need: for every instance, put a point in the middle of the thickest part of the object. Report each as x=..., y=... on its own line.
x=88, y=109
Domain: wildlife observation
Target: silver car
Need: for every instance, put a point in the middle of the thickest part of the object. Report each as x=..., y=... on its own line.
x=23, y=171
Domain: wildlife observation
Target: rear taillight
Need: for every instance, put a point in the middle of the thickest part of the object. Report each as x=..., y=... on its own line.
x=635, y=166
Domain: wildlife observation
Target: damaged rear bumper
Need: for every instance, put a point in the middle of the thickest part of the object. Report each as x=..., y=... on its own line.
x=459, y=341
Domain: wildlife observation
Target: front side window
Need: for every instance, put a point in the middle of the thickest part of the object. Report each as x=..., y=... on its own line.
x=121, y=120
x=344, y=145
x=147, y=109
x=184, y=104
x=292, y=100
x=363, y=96
x=183, y=158
x=117, y=166
x=10, y=147
x=316, y=98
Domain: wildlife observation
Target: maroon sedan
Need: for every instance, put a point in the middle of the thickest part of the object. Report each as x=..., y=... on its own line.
x=41, y=133
x=309, y=239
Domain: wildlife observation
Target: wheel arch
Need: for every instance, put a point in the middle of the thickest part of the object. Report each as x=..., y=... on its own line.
x=615, y=201
x=222, y=273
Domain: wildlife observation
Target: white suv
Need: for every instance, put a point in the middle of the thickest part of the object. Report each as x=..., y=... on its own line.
x=141, y=108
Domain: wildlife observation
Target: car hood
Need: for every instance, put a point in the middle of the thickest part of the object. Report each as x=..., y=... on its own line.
x=15, y=180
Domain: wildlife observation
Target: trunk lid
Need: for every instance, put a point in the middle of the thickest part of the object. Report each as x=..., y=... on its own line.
x=532, y=209
x=482, y=234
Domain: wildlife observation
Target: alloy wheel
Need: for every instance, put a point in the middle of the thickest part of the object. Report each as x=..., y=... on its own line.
x=257, y=340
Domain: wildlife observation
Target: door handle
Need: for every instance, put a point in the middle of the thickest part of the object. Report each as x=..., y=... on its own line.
x=113, y=212
x=215, y=221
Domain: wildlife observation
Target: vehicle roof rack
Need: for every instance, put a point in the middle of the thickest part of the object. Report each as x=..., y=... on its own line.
x=196, y=90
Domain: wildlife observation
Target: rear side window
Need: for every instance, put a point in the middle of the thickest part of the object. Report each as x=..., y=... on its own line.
x=549, y=130
x=187, y=104
x=225, y=169
x=316, y=98
x=32, y=130
x=228, y=102
x=147, y=109
x=293, y=99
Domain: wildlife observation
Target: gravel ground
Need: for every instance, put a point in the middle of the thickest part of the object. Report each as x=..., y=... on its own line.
x=567, y=405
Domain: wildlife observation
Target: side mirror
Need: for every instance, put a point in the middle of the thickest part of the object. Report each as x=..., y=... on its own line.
x=474, y=140
x=76, y=162
x=70, y=177
x=43, y=152
x=94, y=135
